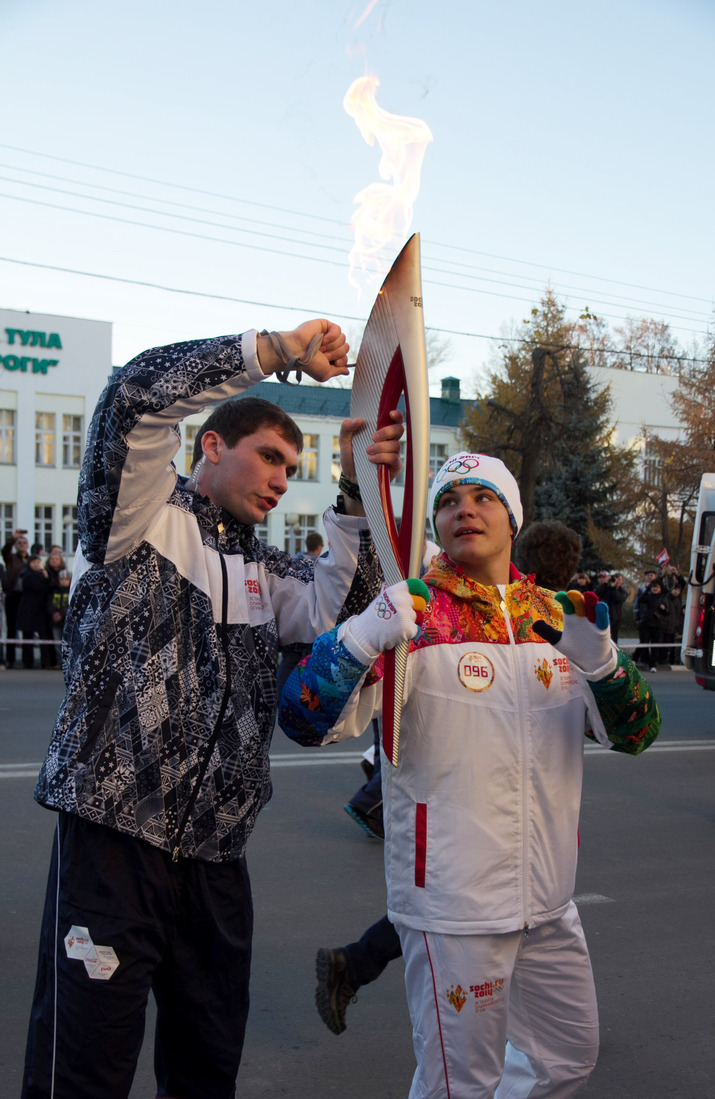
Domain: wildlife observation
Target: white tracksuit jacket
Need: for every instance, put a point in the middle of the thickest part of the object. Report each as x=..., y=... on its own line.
x=482, y=810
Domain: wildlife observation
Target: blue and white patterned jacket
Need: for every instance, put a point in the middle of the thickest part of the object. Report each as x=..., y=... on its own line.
x=154, y=738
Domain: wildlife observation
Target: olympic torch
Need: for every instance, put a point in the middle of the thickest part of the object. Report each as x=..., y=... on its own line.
x=392, y=362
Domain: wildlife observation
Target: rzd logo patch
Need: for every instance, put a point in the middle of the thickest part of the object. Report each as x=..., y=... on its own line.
x=476, y=671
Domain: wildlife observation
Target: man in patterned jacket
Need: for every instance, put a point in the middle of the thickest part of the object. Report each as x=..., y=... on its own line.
x=158, y=764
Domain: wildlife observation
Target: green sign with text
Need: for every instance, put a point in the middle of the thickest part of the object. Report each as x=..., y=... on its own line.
x=20, y=337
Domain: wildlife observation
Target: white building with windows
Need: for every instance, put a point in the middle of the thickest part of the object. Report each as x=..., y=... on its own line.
x=52, y=370
x=319, y=411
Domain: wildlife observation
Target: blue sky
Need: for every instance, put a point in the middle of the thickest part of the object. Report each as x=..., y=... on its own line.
x=572, y=146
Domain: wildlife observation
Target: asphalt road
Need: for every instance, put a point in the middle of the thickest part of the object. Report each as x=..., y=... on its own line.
x=646, y=882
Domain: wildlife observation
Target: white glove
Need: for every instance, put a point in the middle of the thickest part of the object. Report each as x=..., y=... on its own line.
x=390, y=619
x=586, y=637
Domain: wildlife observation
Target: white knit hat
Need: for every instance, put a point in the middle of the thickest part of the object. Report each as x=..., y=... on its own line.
x=479, y=469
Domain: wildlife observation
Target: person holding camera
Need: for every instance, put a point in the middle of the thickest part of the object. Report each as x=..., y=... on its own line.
x=16, y=554
x=653, y=616
x=610, y=590
x=32, y=611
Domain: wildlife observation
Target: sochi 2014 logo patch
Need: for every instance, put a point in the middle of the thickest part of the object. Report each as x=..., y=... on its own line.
x=543, y=672
x=457, y=997
x=488, y=994
x=476, y=672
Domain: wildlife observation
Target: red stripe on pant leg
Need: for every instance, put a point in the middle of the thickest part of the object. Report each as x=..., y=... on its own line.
x=420, y=843
x=436, y=1007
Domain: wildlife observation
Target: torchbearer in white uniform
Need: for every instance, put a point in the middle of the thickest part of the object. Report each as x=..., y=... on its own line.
x=481, y=812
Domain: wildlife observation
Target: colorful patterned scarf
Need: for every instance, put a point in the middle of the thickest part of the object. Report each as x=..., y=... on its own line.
x=464, y=610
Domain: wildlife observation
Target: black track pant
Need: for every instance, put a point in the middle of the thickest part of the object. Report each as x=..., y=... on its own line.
x=182, y=929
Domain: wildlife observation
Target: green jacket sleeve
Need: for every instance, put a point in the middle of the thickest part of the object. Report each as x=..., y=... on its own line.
x=627, y=708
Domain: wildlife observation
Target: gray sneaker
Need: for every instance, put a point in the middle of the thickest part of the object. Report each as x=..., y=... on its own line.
x=334, y=991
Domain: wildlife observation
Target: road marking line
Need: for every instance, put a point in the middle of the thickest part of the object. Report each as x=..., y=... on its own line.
x=665, y=746
x=310, y=758
x=593, y=898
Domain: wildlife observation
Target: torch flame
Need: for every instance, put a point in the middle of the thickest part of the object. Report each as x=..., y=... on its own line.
x=365, y=14
x=382, y=221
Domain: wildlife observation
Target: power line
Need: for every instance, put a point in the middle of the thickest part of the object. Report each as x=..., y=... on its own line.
x=147, y=210
x=578, y=274
x=170, y=229
x=301, y=256
x=133, y=194
x=162, y=213
x=627, y=302
x=342, y=316
x=173, y=289
x=169, y=183
x=336, y=221
x=340, y=250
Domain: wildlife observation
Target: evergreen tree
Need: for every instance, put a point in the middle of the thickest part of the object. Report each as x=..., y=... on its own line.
x=582, y=484
x=545, y=418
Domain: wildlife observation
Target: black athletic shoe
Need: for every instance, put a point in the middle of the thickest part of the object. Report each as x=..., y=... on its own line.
x=371, y=822
x=334, y=992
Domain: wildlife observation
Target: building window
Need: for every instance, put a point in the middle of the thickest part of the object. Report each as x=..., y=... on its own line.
x=44, y=438
x=72, y=432
x=297, y=529
x=261, y=532
x=192, y=431
x=44, y=525
x=7, y=436
x=70, y=532
x=7, y=522
x=652, y=468
x=335, y=460
x=308, y=461
x=437, y=457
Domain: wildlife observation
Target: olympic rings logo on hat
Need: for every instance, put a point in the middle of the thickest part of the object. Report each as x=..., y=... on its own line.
x=464, y=464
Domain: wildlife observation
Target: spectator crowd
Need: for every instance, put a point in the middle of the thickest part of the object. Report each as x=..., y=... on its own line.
x=35, y=592
x=658, y=610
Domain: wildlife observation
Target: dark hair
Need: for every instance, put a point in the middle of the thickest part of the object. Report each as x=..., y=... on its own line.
x=313, y=541
x=550, y=550
x=242, y=416
x=34, y=557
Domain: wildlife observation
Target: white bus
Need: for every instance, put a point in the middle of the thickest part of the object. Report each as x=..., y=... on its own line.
x=698, y=648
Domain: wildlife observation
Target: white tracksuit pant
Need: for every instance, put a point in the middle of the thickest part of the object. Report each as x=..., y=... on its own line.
x=505, y=1016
